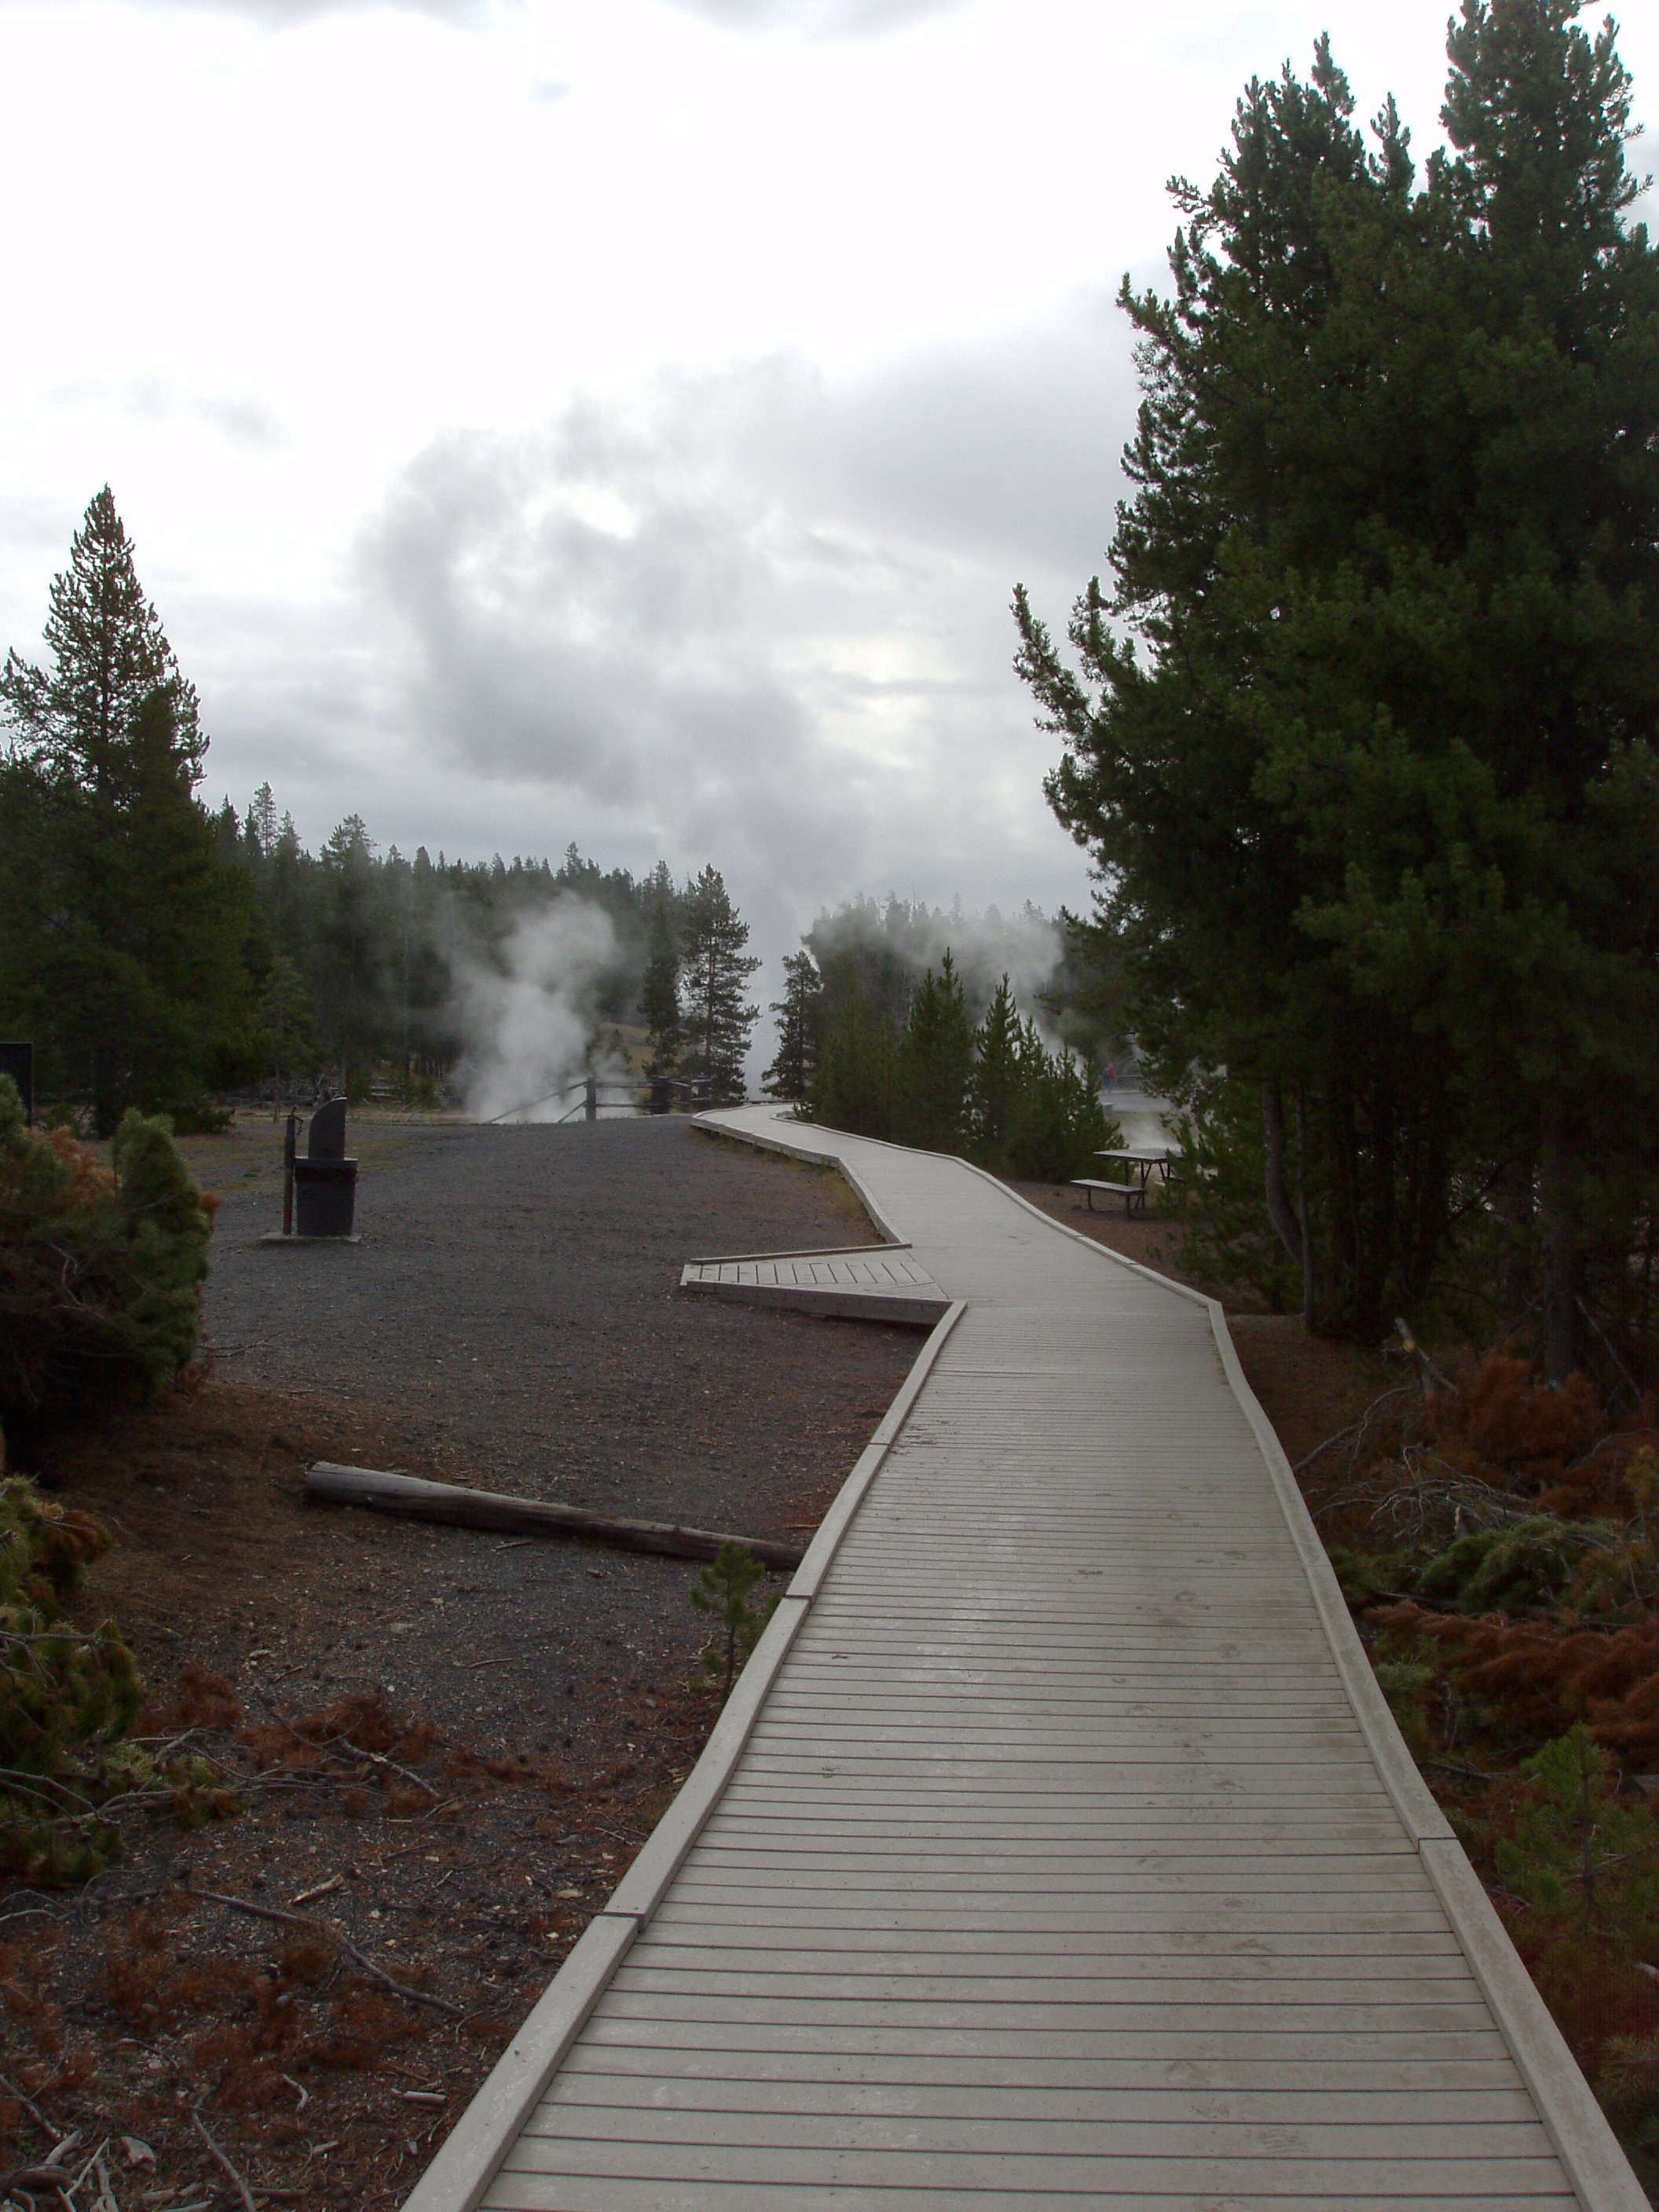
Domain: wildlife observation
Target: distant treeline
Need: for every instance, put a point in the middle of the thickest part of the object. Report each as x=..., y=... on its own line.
x=873, y=1040
x=356, y=953
x=361, y=955
x=157, y=954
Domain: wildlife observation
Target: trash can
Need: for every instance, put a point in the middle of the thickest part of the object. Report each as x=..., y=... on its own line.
x=325, y=1197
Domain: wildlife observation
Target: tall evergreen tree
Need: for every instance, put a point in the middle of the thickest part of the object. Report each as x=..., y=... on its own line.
x=286, y=1025
x=108, y=652
x=1363, y=742
x=852, y=1085
x=934, y=1059
x=121, y=928
x=260, y=829
x=790, y=1076
x=716, y=970
x=994, y=1086
x=659, y=991
x=355, y=951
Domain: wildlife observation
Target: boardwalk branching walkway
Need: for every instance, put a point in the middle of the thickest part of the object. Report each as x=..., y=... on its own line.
x=1057, y=1848
x=874, y=1283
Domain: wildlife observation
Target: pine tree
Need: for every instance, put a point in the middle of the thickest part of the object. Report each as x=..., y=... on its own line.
x=791, y=1074
x=1370, y=793
x=1552, y=793
x=353, y=954
x=121, y=928
x=287, y=1024
x=109, y=654
x=260, y=831
x=994, y=1084
x=852, y=1085
x=935, y=1056
x=1057, y=1123
x=660, y=991
x=99, y=1271
x=722, y=1591
x=715, y=969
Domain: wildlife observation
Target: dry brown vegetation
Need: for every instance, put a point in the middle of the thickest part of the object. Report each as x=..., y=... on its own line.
x=383, y=1936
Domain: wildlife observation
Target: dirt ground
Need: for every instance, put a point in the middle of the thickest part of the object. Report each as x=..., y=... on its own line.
x=441, y=1748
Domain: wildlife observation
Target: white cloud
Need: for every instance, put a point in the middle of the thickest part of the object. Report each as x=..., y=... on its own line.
x=818, y=18
x=764, y=617
x=288, y=15
x=753, y=613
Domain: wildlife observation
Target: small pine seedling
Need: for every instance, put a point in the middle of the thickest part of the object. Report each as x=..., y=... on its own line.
x=1576, y=1837
x=722, y=1589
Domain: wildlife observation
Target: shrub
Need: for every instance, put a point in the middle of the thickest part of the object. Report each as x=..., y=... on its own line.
x=722, y=1589
x=1536, y=1679
x=101, y=1268
x=1539, y=1561
x=1575, y=1850
x=1501, y=1425
x=67, y=1699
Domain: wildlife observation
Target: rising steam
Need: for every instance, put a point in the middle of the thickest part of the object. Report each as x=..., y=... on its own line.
x=1025, y=946
x=530, y=1021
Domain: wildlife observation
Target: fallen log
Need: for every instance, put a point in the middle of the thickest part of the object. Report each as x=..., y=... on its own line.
x=414, y=1500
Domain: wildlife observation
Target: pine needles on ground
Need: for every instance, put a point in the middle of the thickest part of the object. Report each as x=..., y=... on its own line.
x=1497, y=1544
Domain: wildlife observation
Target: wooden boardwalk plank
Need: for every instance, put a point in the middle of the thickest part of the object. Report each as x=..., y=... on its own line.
x=872, y=1285
x=1061, y=1851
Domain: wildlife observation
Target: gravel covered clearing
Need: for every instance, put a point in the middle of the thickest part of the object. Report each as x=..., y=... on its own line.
x=515, y=1297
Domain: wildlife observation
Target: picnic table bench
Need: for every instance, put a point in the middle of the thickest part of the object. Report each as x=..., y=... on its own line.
x=1141, y=1160
x=1133, y=1194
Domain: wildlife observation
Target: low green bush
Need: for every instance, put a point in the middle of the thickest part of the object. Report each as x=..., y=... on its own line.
x=722, y=1590
x=67, y=1699
x=101, y=1268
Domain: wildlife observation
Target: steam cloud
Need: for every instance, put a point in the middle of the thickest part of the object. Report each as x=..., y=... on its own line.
x=531, y=1022
x=1025, y=946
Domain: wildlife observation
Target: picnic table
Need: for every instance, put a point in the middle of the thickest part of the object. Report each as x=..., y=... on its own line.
x=1139, y=1162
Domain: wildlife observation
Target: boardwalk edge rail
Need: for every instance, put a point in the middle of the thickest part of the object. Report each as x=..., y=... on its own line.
x=466, y=2163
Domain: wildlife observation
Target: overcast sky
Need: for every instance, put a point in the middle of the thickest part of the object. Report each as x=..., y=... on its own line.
x=617, y=420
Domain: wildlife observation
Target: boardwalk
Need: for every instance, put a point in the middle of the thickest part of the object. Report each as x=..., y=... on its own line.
x=869, y=1283
x=1056, y=1847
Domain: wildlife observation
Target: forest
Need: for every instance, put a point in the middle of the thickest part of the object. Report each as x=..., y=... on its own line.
x=361, y=959
x=903, y=1022
x=158, y=956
